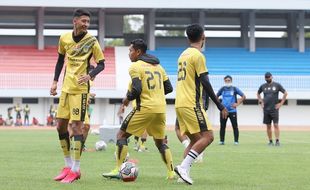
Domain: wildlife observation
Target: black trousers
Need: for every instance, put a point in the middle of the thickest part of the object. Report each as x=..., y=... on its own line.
x=233, y=119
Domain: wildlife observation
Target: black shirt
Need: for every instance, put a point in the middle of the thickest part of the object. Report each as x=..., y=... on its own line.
x=271, y=94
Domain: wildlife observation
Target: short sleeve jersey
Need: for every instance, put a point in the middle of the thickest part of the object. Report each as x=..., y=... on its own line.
x=191, y=64
x=78, y=56
x=271, y=94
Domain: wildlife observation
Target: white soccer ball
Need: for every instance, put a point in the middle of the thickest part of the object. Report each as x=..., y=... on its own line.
x=100, y=145
x=128, y=172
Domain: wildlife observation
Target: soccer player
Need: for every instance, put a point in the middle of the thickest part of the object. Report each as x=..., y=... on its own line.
x=271, y=105
x=192, y=80
x=183, y=138
x=148, y=86
x=229, y=100
x=78, y=47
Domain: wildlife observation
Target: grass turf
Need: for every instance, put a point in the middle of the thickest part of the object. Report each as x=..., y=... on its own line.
x=29, y=159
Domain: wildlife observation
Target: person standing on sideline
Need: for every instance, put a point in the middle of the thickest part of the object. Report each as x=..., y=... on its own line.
x=78, y=47
x=271, y=105
x=26, y=115
x=192, y=80
x=229, y=100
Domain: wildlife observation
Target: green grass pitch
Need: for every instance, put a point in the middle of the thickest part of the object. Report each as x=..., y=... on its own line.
x=29, y=159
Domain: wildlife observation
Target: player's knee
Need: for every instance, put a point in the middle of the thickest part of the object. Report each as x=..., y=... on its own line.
x=121, y=142
x=86, y=127
x=162, y=148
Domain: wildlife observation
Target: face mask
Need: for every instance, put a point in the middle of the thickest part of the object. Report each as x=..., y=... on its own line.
x=228, y=84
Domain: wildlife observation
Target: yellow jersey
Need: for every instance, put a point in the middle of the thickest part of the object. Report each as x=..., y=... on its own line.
x=152, y=98
x=191, y=64
x=78, y=56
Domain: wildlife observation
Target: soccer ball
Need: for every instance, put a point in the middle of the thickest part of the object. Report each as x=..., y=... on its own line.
x=128, y=172
x=100, y=145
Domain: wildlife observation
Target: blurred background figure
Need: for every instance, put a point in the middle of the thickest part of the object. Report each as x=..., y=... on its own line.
x=26, y=115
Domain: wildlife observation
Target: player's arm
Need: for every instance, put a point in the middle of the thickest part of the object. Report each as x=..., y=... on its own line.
x=168, y=87
x=260, y=100
x=283, y=98
x=204, y=79
x=167, y=84
x=136, y=89
x=239, y=100
x=58, y=69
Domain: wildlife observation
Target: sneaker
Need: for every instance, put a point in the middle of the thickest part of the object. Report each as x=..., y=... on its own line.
x=270, y=144
x=64, y=172
x=221, y=143
x=171, y=175
x=71, y=177
x=277, y=143
x=236, y=143
x=183, y=174
x=114, y=174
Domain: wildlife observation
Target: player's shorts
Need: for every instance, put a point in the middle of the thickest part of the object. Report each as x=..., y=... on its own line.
x=271, y=115
x=86, y=120
x=193, y=120
x=72, y=106
x=136, y=122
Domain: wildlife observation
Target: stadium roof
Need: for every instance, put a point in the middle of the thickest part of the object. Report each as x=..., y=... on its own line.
x=167, y=4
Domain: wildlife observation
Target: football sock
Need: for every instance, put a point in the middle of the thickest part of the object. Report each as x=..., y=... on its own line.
x=189, y=159
x=121, y=152
x=65, y=146
x=166, y=156
x=77, y=151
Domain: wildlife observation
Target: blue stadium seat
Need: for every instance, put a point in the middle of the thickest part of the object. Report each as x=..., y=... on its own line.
x=239, y=61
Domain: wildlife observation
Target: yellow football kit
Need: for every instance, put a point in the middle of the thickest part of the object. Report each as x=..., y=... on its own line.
x=73, y=99
x=190, y=113
x=149, y=111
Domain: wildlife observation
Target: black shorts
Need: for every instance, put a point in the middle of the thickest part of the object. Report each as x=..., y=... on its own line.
x=271, y=115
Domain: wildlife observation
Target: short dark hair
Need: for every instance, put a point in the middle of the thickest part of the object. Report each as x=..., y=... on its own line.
x=194, y=32
x=139, y=44
x=81, y=12
x=228, y=76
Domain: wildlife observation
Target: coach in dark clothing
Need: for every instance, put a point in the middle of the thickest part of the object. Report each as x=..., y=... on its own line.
x=271, y=105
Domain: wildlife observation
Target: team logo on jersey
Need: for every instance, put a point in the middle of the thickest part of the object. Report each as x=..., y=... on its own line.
x=274, y=88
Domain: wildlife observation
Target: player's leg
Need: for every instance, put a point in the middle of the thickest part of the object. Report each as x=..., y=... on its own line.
x=62, y=123
x=223, y=122
x=136, y=143
x=267, y=121
x=182, y=138
x=234, y=123
x=77, y=105
x=142, y=147
x=132, y=125
x=275, y=118
x=155, y=126
x=195, y=123
x=85, y=130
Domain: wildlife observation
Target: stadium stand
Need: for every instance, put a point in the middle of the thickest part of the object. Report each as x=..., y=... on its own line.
x=239, y=61
x=19, y=62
